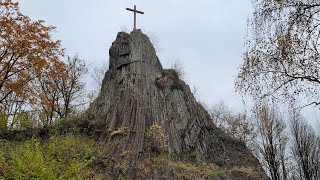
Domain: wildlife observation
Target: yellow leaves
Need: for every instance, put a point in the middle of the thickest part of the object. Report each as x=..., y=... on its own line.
x=284, y=42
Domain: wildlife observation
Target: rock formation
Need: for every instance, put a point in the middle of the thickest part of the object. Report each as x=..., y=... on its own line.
x=155, y=127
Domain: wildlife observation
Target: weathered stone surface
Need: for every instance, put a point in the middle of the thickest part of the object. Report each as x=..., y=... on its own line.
x=137, y=93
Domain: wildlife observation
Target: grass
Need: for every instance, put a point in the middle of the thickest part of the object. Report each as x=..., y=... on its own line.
x=187, y=170
x=65, y=153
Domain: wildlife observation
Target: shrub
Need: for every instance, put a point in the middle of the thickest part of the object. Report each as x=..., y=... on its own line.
x=3, y=166
x=178, y=67
x=64, y=157
x=169, y=78
x=25, y=120
x=28, y=162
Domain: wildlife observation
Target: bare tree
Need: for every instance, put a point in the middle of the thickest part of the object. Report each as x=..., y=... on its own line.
x=154, y=40
x=72, y=89
x=178, y=67
x=99, y=72
x=237, y=125
x=220, y=114
x=195, y=92
x=63, y=95
x=12, y=106
x=306, y=149
x=124, y=28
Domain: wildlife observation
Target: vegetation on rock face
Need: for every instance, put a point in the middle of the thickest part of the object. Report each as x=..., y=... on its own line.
x=157, y=138
x=182, y=170
x=177, y=66
x=169, y=78
x=166, y=164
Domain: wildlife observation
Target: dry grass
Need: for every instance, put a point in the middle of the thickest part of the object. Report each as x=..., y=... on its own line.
x=162, y=165
x=245, y=170
x=185, y=170
x=118, y=132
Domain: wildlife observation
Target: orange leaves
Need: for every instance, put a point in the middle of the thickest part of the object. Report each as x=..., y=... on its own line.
x=26, y=53
x=8, y=4
x=32, y=76
x=16, y=87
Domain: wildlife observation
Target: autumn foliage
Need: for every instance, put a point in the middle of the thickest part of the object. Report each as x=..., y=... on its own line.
x=27, y=52
x=33, y=79
x=60, y=95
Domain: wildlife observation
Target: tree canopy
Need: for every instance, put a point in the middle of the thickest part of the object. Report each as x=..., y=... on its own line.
x=26, y=51
x=282, y=60
x=33, y=78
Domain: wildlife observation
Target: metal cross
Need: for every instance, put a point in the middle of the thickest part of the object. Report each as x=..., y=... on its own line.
x=135, y=12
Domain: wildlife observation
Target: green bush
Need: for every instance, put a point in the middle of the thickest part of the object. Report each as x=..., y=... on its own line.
x=27, y=162
x=64, y=157
x=3, y=167
x=25, y=120
x=3, y=122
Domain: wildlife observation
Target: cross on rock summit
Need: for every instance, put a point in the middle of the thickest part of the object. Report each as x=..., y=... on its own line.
x=135, y=14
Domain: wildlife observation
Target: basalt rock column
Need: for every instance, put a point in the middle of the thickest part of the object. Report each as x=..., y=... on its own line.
x=138, y=96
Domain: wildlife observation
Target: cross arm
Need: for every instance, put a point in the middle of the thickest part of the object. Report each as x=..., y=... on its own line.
x=134, y=10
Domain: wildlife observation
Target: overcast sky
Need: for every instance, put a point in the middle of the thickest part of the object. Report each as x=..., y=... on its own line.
x=207, y=36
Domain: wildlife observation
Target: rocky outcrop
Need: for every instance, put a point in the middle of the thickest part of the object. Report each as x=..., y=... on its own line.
x=156, y=128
